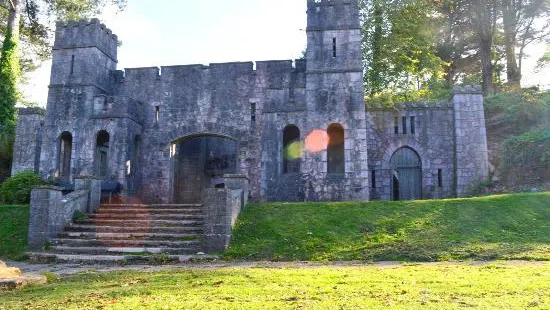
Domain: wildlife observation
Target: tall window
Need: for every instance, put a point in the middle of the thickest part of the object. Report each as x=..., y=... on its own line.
x=292, y=149
x=65, y=150
x=335, y=151
x=102, y=152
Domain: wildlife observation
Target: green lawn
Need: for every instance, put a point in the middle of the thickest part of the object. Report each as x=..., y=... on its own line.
x=14, y=222
x=443, y=286
x=494, y=227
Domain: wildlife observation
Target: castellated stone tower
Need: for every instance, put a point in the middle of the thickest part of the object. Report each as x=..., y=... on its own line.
x=84, y=57
x=335, y=94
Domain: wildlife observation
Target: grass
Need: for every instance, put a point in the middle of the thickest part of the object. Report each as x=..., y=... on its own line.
x=441, y=286
x=14, y=222
x=485, y=228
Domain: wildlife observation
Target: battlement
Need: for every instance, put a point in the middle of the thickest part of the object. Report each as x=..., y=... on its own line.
x=332, y=15
x=84, y=34
x=270, y=67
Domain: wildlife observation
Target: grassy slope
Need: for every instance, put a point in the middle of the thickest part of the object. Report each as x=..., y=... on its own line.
x=495, y=227
x=14, y=221
x=447, y=286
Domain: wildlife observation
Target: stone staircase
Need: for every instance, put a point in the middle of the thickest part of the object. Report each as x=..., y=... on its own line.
x=130, y=233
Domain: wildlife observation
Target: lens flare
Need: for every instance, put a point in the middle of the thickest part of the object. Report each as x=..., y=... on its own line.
x=317, y=141
x=294, y=150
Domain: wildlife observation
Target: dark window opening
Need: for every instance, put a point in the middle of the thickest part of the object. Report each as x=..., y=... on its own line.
x=102, y=153
x=440, y=177
x=404, y=124
x=292, y=149
x=373, y=178
x=253, y=112
x=335, y=151
x=65, y=151
x=413, y=126
x=396, y=125
x=157, y=113
x=333, y=47
x=72, y=64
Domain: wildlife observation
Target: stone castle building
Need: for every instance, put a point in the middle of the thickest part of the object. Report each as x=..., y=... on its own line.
x=297, y=130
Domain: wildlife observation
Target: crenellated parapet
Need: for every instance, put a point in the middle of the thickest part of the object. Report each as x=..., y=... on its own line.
x=332, y=15
x=84, y=34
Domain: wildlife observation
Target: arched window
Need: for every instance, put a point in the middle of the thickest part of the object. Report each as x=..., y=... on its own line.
x=335, y=150
x=102, y=152
x=65, y=151
x=292, y=149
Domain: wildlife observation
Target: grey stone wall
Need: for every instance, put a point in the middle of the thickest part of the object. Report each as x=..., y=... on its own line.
x=160, y=106
x=472, y=162
x=50, y=212
x=28, y=141
x=433, y=141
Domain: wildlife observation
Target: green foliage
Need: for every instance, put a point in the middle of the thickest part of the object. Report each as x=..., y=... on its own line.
x=399, y=47
x=527, y=149
x=9, y=77
x=521, y=111
x=493, y=227
x=17, y=189
x=6, y=153
x=79, y=216
x=435, y=91
x=14, y=224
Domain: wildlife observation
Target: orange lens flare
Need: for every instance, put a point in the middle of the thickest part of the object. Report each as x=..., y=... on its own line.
x=317, y=141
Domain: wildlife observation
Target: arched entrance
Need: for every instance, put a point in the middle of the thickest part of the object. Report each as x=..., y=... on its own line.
x=406, y=175
x=199, y=159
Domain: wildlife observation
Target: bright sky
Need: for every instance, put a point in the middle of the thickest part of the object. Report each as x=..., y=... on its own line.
x=209, y=31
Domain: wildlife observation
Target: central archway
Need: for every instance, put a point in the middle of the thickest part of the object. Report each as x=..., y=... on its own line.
x=406, y=175
x=199, y=159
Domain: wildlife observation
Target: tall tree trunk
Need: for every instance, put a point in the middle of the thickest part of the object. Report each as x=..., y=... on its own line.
x=485, y=45
x=513, y=71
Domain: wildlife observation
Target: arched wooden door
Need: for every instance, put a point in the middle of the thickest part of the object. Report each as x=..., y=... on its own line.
x=406, y=175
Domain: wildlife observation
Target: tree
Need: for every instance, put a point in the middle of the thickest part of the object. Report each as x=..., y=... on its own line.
x=522, y=24
x=398, y=46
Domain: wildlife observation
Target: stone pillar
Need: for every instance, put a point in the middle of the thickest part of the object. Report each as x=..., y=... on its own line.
x=93, y=185
x=26, y=150
x=238, y=182
x=45, y=200
x=472, y=161
x=221, y=209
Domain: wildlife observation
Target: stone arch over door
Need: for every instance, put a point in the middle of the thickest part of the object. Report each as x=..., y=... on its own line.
x=198, y=158
x=406, y=175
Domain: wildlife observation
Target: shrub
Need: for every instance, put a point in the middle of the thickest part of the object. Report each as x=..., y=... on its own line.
x=17, y=189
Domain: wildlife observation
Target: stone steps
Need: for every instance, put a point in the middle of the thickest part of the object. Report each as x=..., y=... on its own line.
x=128, y=233
x=116, y=259
x=98, y=250
x=130, y=229
x=128, y=236
x=138, y=223
x=124, y=243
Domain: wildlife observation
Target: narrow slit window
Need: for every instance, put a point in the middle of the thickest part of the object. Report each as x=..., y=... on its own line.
x=157, y=113
x=396, y=125
x=413, y=126
x=404, y=125
x=333, y=47
x=253, y=112
x=373, y=178
x=440, y=177
x=72, y=64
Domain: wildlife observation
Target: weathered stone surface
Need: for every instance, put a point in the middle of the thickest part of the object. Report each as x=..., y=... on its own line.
x=148, y=111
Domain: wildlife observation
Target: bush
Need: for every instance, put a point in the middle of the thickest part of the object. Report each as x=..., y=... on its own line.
x=17, y=189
